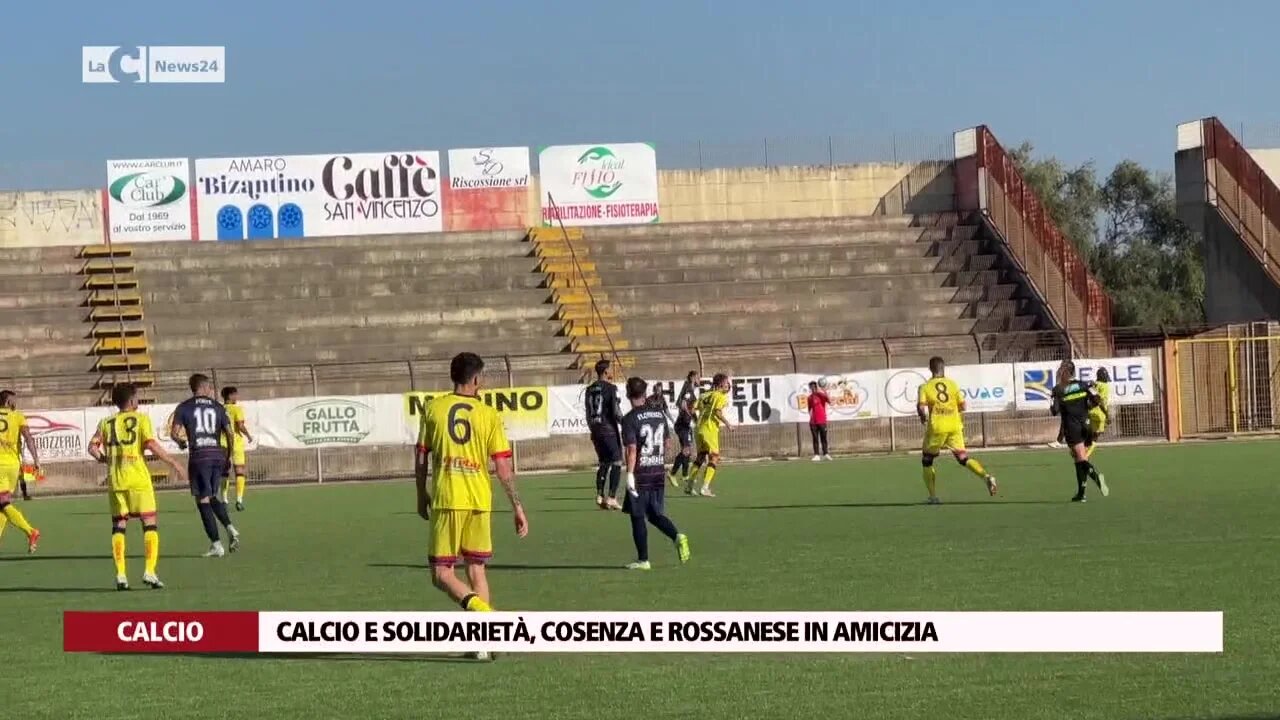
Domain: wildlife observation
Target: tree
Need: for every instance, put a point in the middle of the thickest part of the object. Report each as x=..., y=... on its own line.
x=1128, y=230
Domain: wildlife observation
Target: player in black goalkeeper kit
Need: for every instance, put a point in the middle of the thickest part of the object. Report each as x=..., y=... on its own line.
x=604, y=414
x=644, y=435
x=1072, y=401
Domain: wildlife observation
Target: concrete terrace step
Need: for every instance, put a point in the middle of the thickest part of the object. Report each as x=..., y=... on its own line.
x=336, y=257
x=327, y=312
x=785, y=315
x=441, y=278
x=42, y=300
x=848, y=303
x=342, y=336
x=680, y=338
x=294, y=264
x=792, y=255
x=776, y=271
x=425, y=293
x=356, y=353
x=820, y=285
x=454, y=240
x=748, y=227
x=596, y=247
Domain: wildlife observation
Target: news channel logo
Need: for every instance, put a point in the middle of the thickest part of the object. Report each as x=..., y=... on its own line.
x=136, y=64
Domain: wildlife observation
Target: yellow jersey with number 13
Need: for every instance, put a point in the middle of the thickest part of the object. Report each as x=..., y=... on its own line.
x=942, y=396
x=124, y=437
x=462, y=434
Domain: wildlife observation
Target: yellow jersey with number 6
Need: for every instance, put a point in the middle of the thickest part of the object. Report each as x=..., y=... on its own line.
x=462, y=435
x=124, y=436
x=942, y=396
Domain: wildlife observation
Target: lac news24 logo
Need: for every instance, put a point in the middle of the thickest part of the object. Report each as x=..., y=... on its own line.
x=153, y=64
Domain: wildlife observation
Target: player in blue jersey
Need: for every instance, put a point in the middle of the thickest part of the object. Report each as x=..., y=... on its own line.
x=202, y=426
x=603, y=414
x=644, y=436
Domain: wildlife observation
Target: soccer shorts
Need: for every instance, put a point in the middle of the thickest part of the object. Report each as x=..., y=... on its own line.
x=646, y=503
x=133, y=503
x=238, y=454
x=464, y=534
x=935, y=441
x=1097, y=422
x=1076, y=431
x=608, y=447
x=9, y=475
x=684, y=434
x=708, y=440
x=205, y=477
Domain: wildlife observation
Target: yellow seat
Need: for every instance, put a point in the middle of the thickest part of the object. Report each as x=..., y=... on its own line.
x=109, y=266
x=124, y=363
x=116, y=345
x=111, y=297
x=104, y=251
x=108, y=281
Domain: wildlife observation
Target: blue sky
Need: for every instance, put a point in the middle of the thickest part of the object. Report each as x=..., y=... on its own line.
x=1086, y=80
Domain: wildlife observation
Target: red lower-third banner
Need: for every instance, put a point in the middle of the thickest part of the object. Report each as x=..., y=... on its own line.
x=807, y=632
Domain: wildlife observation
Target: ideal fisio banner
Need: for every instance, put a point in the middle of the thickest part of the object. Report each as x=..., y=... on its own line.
x=293, y=196
x=523, y=410
x=488, y=189
x=599, y=184
x=1132, y=382
x=148, y=200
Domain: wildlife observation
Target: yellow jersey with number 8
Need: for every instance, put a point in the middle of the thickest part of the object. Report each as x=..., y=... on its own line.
x=462, y=434
x=124, y=437
x=942, y=397
x=11, y=422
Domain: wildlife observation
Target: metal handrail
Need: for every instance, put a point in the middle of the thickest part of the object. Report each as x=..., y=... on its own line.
x=577, y=266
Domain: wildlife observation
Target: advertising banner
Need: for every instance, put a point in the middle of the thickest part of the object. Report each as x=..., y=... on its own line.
x=524, y=410
x=252, y=198
x=149, y=200
x=853, y=396
x=599, y=184
x=60, y=435
x=488, y=189
x=295, y=423
x=1132, y=382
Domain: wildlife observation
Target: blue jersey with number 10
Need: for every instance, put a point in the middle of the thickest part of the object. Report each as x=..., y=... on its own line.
x=205, y=422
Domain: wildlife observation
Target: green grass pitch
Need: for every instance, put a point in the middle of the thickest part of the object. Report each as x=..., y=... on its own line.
x=1192, y=527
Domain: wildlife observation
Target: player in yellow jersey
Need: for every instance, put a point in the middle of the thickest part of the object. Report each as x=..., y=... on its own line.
x=709, y=418
x=240, y=438
x=13, y=433
x=939, y=405
x=1101, y=413
x=458, y=436
x=120, y=442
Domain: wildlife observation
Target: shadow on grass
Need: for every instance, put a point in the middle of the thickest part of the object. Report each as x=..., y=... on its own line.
x=945, y=503
x=322, y=657
x=58, y=590
x=103, y=556
x=503, y=566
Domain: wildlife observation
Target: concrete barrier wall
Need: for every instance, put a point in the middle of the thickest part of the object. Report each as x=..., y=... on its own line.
x=44, y=219
x=1270, y=162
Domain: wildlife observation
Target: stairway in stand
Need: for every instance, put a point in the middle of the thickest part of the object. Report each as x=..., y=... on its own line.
x=115, y=316
x=590, y=322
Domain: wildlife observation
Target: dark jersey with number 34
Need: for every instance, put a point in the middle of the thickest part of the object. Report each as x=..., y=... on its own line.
x=646, y=429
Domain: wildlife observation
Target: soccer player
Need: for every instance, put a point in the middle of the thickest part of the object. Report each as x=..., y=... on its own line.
x=1098, y=416
x=206, y=427
x=463, y=435
x=1072, y=401
x=818, y=402
x=239, y=438
x=604, y=412
x=710, y=418
x=120, y=442
x=939, y=405
x=682, y=468
x=644, y=437
x=13, y=433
